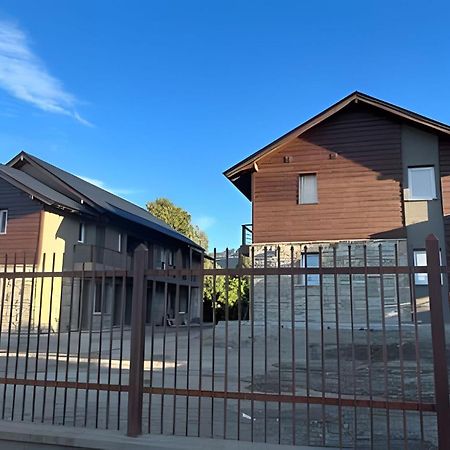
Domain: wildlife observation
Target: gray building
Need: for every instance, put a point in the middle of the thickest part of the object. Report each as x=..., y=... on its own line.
x=55, y=221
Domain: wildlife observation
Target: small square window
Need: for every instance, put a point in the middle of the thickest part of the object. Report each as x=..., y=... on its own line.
x=309, y=260
x=420, y=260
x=81, y=232
x=307, y=189
x=421, y=183
x=3, y=220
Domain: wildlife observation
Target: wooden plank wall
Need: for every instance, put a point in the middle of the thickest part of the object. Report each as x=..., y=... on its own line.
x=24, y=214
x=359, y=191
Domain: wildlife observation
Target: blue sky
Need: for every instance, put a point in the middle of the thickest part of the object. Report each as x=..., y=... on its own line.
x=158, y=98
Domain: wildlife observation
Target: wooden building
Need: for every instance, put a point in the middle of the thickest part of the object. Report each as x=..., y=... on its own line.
x=362, y=172
x=52, y=220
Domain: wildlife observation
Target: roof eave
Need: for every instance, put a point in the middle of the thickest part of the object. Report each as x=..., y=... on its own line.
x=246, y=163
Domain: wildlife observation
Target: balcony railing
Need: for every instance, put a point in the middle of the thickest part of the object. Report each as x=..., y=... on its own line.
x=247, y=234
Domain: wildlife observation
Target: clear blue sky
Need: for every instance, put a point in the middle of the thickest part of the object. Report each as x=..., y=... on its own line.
x=158, y=98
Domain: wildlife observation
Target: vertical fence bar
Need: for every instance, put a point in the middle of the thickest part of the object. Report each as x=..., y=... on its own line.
x=213, y=350
x=438, y=341
x=137, y=343
x=227, y=318
x=176, y=344
x=152, y=355
x=384, y=338
x=252, y=352
x=123, y=299
x=307, y=364
x=352, y=322
x=8, y=345
x=200, y=357
x=58, y=346
x=19, y=326
x=400, y=348
x=69, y=331
x=279, y=340
x=111, y=338
x=163, y=369
x=38, y=338
x=418, y=371
x=80, y=335
x=369, y=345
x=27, y=351
x=265, y=344
x=322, y=347
x=294, y=384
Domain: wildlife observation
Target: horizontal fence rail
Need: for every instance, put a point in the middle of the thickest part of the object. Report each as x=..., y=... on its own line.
x=325, y=346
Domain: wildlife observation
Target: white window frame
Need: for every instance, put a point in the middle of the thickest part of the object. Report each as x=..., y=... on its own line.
x=301, y=177
x=310, y=279
x=420, y=279
x=4, y=213
x=82, y=233
x=411, y=171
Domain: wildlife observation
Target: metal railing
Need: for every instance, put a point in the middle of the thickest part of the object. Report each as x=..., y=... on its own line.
x=335, y=355
x=247, y=234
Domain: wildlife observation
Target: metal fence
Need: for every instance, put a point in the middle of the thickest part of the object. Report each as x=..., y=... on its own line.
x=334, y=355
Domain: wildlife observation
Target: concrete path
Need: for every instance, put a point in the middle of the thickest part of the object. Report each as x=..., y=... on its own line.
x=15, y=436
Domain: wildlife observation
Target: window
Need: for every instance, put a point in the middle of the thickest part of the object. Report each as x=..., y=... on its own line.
x=307, y=189
x=420, y=260
x=170, y=257
x=421, y=183
x=81, y=232
x=119, y=243
x=98, y=294
x=3, y=220
x=310, y=260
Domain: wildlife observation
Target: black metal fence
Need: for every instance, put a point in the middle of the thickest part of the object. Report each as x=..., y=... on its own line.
x=311, y=348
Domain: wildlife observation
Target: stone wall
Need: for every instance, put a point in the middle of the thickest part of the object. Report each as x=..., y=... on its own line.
x=343, y=297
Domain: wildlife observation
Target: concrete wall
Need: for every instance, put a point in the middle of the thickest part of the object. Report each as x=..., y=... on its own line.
x=351, y=297
x=422, y=217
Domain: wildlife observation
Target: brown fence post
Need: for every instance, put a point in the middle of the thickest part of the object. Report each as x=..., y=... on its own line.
x=438, y=342
x=137, y=342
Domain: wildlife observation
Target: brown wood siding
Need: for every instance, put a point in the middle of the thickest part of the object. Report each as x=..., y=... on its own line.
x=444, y=164
x=359, y=191
x=22, y=233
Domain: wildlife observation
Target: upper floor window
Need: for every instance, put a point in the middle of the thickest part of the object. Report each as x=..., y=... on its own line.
x=307, y=189
x=3, y=220
x=421, y=183
x=119, y=243
x=81, y=232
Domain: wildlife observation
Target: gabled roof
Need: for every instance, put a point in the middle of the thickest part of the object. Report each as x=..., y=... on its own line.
x=34, y=187
x=239, y=173
x=98, y=199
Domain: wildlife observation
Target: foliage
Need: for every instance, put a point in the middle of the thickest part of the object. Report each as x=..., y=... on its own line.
x=179, y=219
x=217, y=293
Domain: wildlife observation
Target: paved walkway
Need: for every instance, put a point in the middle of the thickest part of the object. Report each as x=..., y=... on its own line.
x=16, y=436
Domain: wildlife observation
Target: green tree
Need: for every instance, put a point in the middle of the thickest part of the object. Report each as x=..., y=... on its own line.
x=216, y=293
x=179, y=219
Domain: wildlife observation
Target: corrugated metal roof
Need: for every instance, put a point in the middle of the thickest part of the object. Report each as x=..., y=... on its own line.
x=107, y=201
x=46, y=194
